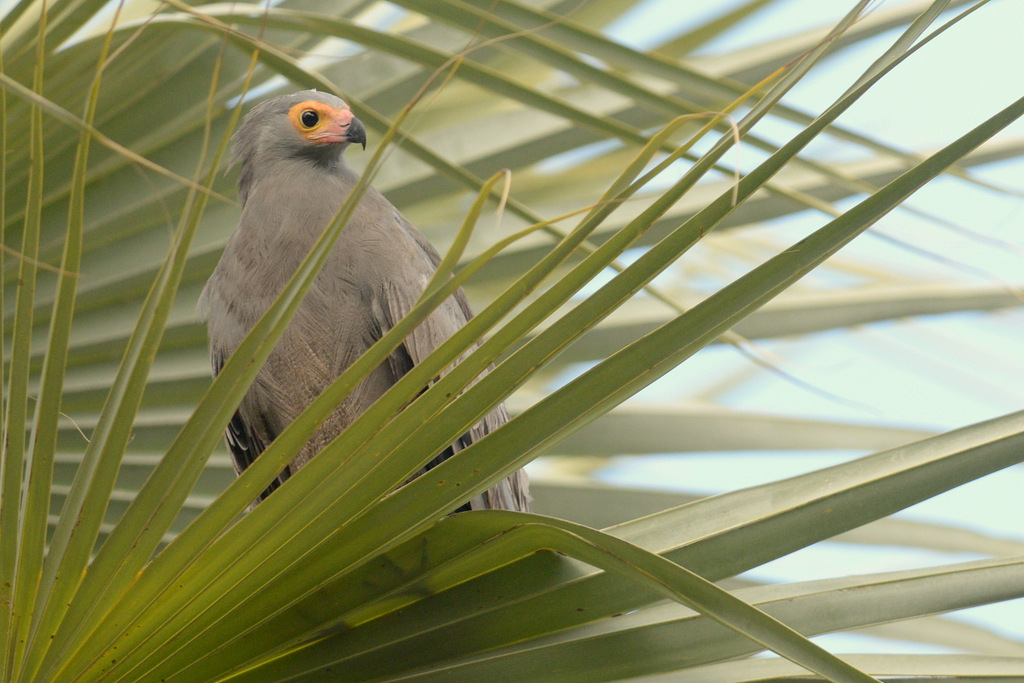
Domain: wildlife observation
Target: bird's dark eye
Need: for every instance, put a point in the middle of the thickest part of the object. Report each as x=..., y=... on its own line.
x=309, y=118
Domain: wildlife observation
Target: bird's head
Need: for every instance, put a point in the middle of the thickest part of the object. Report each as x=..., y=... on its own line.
x=309, y=125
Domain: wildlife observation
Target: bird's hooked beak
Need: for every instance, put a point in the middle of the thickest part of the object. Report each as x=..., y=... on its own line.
x=356, y=132
x=341, y=126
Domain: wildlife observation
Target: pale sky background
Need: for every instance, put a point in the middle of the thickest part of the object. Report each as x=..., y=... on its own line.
x=940, y=372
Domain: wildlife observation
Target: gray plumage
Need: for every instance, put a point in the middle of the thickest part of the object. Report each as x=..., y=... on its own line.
x=292, y=181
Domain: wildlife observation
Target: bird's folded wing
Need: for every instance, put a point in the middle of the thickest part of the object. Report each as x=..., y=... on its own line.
x=512, y=493
x=247, y=436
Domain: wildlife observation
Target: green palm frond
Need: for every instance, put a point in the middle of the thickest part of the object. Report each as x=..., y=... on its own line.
x=661, y=198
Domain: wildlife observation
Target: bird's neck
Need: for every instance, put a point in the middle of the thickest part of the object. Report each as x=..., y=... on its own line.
x=294, y=172
x=288, y=206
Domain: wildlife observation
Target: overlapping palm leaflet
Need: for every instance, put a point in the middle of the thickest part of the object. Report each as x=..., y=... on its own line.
x=124, y=551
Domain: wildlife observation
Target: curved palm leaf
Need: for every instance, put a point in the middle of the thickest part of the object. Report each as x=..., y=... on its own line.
x=150, y=560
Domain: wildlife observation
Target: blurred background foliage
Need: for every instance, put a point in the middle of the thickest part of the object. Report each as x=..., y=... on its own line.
x=910, y=332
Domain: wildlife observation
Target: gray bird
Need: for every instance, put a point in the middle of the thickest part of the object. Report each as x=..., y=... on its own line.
x=293, y=180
